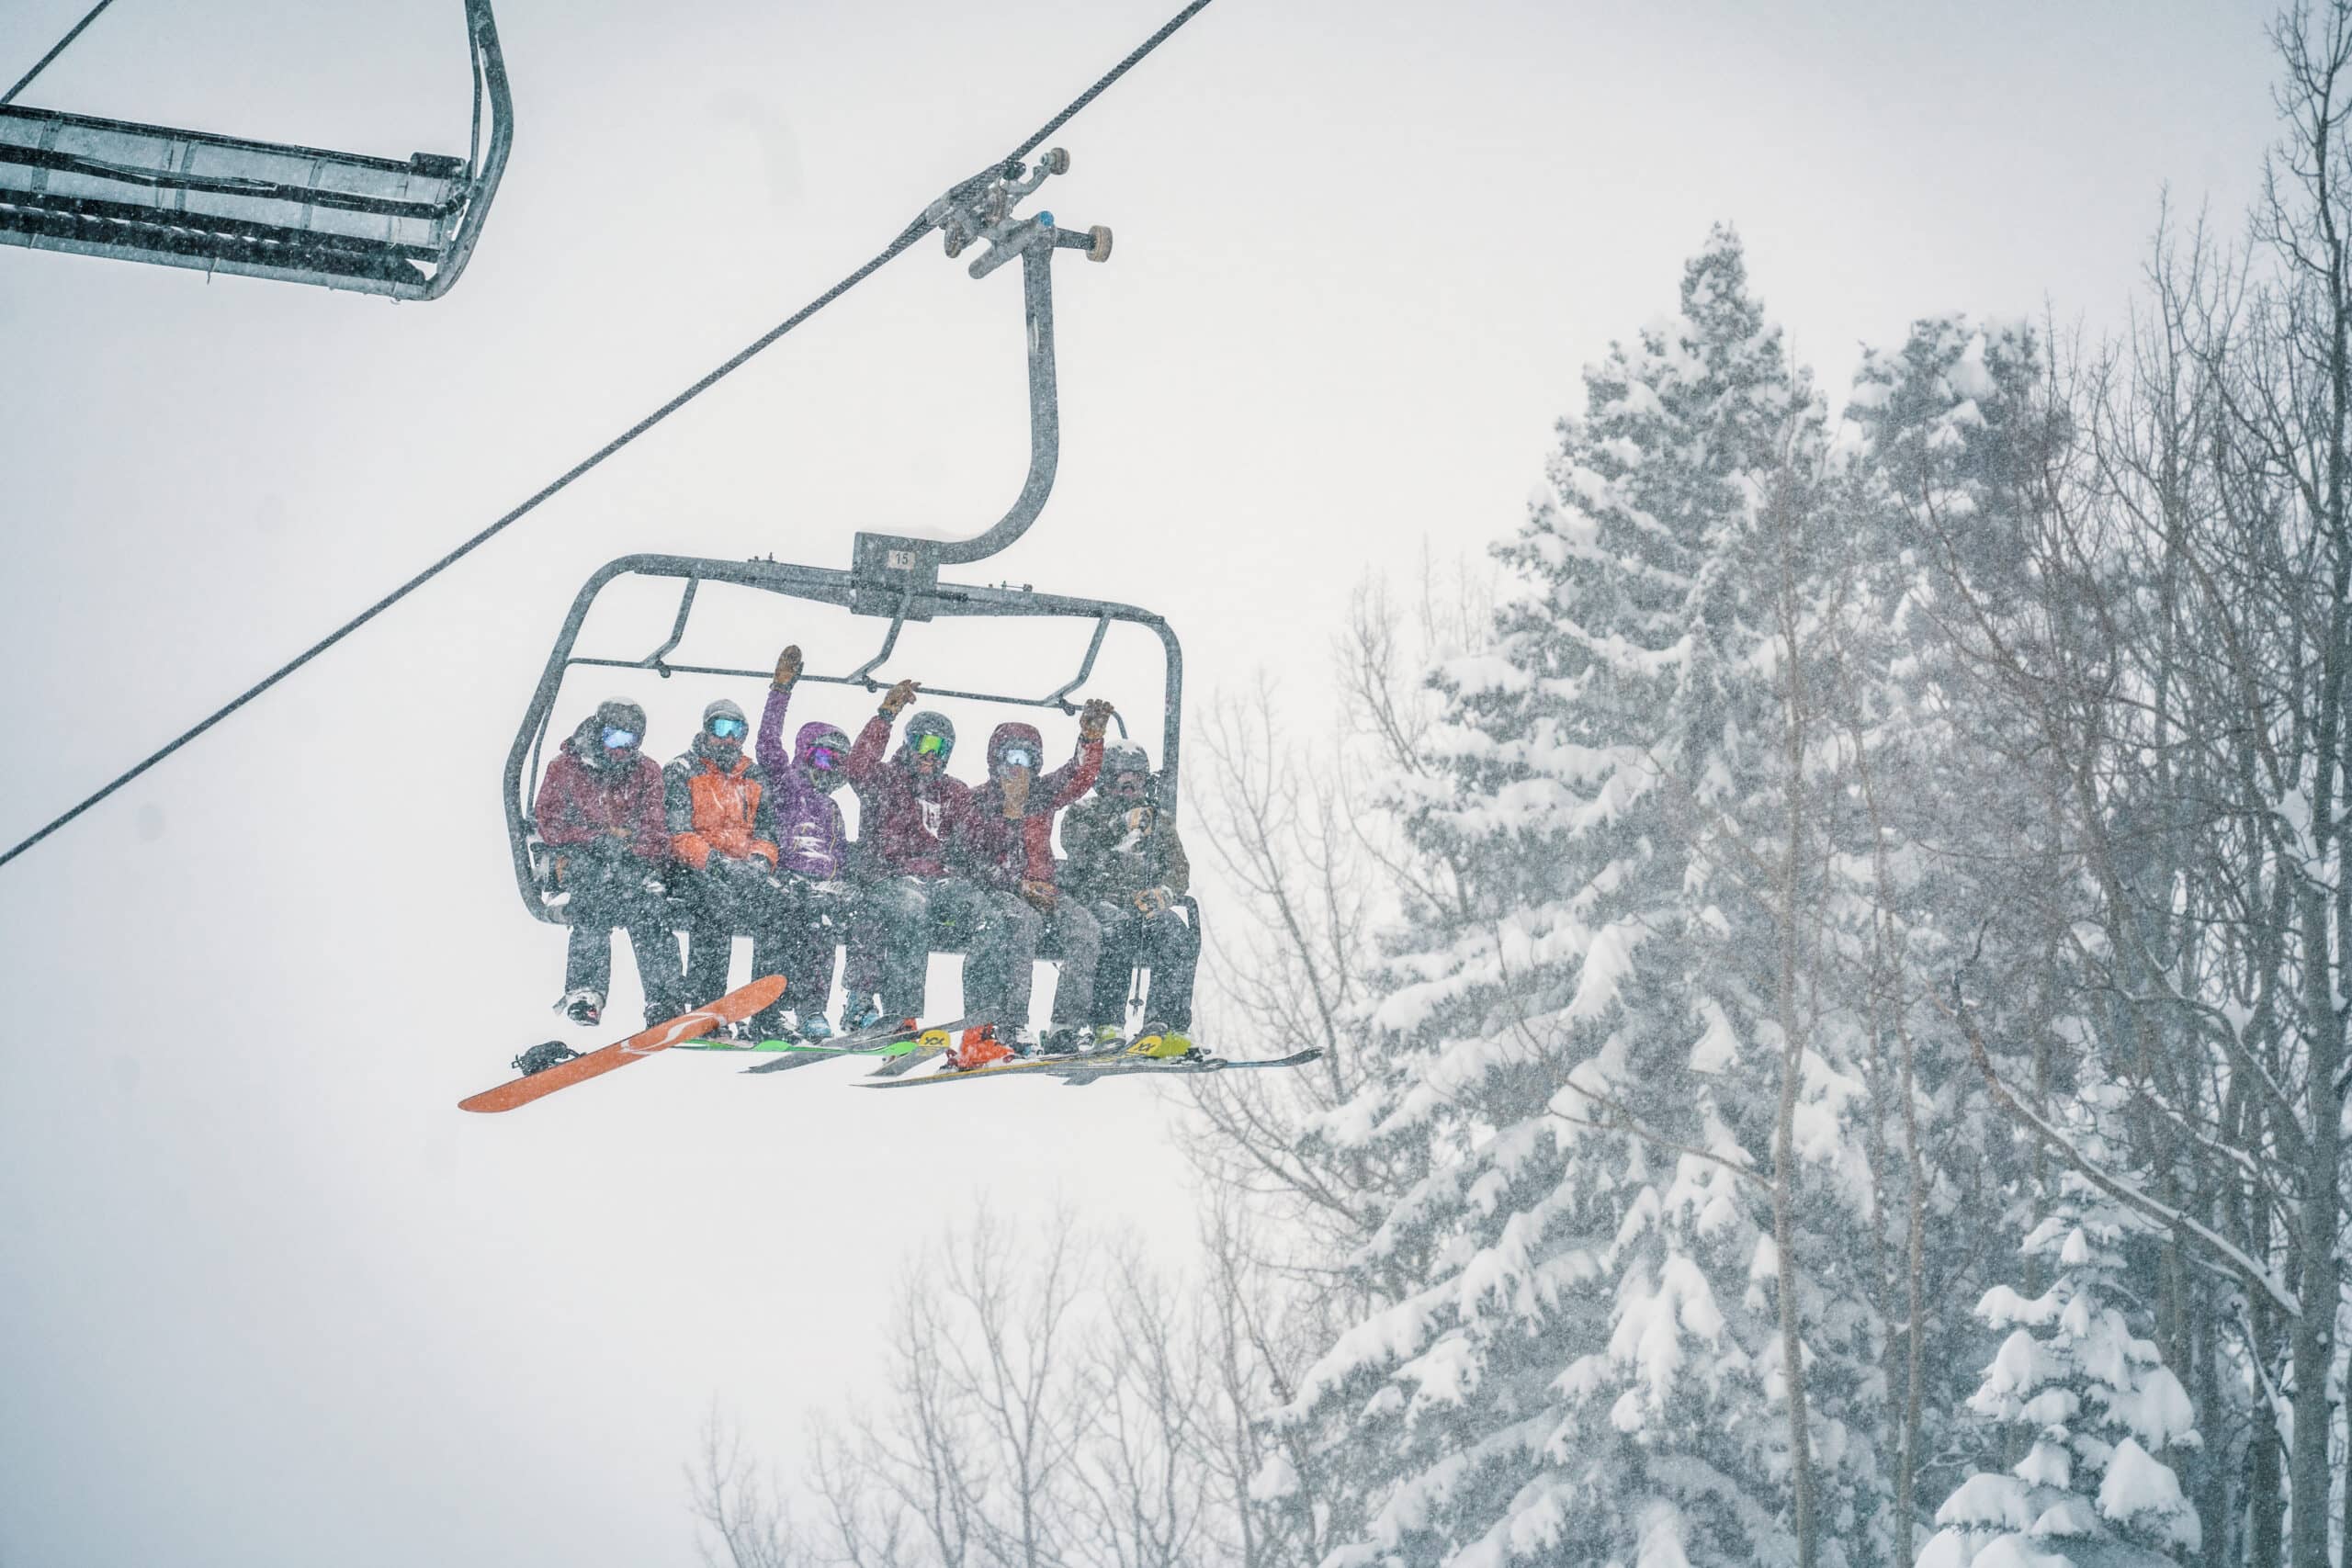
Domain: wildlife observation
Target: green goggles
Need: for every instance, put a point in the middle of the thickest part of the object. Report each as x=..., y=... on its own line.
x=931, y=746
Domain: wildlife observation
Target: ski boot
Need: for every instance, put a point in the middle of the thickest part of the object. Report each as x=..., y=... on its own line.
x=816, y=1030
x=582, y=1006
x=1162, y=1043
x=1109, y=1040
x=979, y=1049
x=1023, y=1040
x=861, y=1014
x=546, y=1054
x=1066, y=1040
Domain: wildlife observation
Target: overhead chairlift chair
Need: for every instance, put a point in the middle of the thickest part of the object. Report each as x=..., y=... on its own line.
x=189, y=198
x=890, y=576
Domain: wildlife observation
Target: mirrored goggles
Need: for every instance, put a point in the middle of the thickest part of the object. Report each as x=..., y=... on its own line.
x=729, y=728
x=1019, y=757
x=823, y=758
x=931, y=746
x=618, y=739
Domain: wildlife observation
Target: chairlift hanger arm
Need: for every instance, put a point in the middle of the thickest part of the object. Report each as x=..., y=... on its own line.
x=980, y=212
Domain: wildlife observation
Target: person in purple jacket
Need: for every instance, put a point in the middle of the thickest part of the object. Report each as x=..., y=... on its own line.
x=600, y=811
x=811, y=846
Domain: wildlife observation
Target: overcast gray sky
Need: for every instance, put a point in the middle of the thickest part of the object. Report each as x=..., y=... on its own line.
x=265, y=1296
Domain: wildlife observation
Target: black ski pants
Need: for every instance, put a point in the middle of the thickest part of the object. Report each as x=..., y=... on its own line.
x=896, y=922
x=1010, y=972
x=727, y=899
x=1165, y=944
x=608, y=892
x=814, y=918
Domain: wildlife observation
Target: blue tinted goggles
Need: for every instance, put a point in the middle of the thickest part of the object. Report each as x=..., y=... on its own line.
x=1019, y=757
x=618, y=739
x=729, y=728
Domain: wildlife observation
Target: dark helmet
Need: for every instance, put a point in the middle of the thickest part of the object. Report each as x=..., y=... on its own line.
x=929, y=722
x=1125, y=757
x=726, y=746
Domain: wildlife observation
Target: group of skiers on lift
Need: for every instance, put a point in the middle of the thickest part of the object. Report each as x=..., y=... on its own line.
x=750, y=839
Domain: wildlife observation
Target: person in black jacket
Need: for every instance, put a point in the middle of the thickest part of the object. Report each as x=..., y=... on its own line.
x=1125, y=861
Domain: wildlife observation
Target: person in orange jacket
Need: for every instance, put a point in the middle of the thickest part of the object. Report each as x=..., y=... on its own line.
x=723, y=856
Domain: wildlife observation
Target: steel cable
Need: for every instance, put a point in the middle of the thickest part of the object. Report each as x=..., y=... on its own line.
x=55, y=49
x=906, y=237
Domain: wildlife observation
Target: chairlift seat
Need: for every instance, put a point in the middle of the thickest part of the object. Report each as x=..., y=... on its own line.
x=191, y=199
x=187, y=198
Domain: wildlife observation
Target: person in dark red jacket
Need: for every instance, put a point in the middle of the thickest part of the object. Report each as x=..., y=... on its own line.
x=600, y=810
x=1005, y=844
x=722, y=842
x=906, y=902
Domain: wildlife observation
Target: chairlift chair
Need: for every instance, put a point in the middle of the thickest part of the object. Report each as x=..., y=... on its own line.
x=190, y=198
x=890, y=576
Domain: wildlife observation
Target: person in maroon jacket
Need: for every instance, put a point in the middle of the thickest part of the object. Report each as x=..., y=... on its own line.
x=906, y=903
x=600, y=810
x=1005, y=844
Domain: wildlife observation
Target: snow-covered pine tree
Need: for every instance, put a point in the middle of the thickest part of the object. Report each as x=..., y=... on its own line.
x=1579, y=1350
x=1945, y=439
x=2091, y=1401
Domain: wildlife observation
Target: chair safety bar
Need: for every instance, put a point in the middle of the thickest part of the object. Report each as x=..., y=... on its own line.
x=190, y=198
x=819, y=585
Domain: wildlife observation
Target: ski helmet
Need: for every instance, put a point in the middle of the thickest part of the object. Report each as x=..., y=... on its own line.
x=611, y=720
x=928, y=723
x=1125, y=757
x=725, y=731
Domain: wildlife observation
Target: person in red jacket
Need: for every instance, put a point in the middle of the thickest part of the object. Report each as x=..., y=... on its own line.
x=722, y=845
x=600, y=810
x=906, y=902
x=1005, y=844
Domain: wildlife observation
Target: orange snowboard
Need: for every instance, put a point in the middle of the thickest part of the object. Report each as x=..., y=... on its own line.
x=732, y=1008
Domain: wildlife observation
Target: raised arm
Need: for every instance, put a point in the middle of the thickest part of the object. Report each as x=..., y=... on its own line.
x=865, y=752
x=773, y=757
x=1074, y=777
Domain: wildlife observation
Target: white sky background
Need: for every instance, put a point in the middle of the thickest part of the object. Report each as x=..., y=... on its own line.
x=265, y=1297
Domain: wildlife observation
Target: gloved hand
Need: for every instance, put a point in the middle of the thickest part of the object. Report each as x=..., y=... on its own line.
x=894, y=700
x=1039, y=894
x=787, y=666
x=1153, y=900
x=1094, y=718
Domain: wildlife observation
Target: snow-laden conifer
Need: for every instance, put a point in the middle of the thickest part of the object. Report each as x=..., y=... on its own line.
x=2088, y=1401
x=1579, y=1349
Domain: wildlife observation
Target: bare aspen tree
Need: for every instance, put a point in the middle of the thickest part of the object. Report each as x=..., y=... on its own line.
x=745, y=1520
